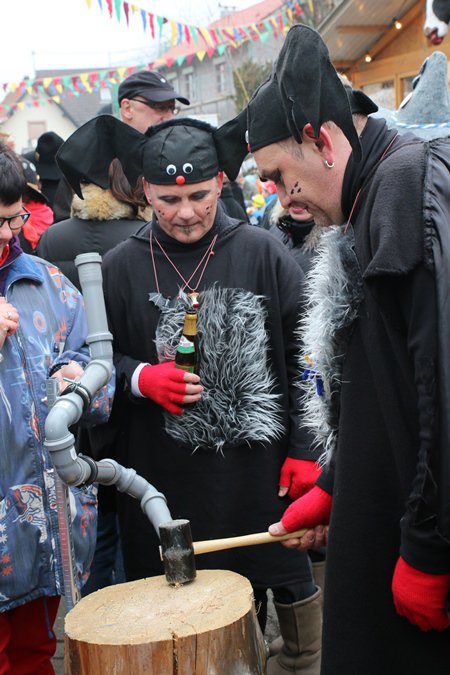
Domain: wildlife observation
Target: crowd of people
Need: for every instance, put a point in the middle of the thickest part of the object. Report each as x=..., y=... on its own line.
x=322, y=398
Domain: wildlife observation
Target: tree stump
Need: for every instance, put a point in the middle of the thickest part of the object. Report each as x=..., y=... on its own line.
x=206, y=627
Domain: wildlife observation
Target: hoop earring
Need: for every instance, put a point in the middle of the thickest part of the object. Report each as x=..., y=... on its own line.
x=327, y=164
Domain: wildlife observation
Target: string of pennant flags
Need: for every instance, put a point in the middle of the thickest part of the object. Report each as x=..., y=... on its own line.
x=50, y=90
x=182, y=32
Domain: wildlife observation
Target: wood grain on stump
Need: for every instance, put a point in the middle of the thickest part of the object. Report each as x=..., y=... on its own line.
x=207, y=627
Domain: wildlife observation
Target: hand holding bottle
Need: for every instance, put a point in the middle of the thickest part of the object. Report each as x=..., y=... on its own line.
x=170, y=387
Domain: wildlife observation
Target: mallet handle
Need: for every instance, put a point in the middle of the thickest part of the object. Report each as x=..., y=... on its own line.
x=210, y=545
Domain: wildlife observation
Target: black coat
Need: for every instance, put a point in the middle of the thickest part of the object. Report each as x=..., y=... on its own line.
x=226, y=492
x=97, y=225
x=386, y=463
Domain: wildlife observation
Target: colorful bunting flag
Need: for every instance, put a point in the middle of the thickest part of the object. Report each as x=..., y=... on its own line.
x=211, y=36
x=215, y=40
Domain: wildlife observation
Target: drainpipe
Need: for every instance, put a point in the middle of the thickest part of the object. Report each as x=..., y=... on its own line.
x=75, y=469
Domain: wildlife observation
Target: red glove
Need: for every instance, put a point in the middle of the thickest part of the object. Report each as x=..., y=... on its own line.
x=421, y=597
x=311, y=510
x=164, y=384
x=299, y=475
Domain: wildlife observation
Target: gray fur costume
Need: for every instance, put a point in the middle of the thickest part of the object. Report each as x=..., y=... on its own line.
x=233, y=352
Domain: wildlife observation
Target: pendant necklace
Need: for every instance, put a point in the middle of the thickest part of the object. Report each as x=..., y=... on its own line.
x=158, y=298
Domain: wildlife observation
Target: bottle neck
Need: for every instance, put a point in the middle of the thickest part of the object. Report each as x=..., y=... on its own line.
x=190, y=324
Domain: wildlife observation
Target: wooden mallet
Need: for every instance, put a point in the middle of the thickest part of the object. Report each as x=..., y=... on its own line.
x=177, y=549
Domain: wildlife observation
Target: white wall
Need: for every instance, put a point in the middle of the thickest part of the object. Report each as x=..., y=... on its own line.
x=17, y=125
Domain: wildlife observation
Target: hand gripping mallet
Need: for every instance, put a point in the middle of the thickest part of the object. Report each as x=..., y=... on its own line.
x=177, y=549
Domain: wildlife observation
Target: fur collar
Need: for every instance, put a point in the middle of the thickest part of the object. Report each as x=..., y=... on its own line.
x=334, y=290
x=99, y=204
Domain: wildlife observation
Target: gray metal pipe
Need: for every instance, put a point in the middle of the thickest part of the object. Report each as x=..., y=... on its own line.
x=153, y=503
x=99, y=338
x=72, y=468
x=67, y=410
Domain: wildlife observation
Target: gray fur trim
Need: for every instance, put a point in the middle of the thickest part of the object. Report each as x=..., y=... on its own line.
x=312, y=240
x=334, y=290
x=277, y=212
x=238, y=405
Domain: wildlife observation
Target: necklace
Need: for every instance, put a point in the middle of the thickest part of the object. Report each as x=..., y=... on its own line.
x=157, y=298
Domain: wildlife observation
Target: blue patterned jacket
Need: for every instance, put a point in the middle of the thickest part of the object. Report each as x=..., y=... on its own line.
x=52, y=329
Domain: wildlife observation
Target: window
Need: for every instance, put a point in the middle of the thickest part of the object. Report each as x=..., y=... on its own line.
x=407, y=86
x=382, y=93
x=105, y=95
x=173, y=82
x=189, y=85
x=221, y=78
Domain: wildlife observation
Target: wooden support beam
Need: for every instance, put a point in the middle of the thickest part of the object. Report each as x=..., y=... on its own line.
x=343, y=65
x=392, y=33
x=363, y=29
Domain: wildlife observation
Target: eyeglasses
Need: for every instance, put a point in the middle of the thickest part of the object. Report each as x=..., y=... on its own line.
x=15, y=222
x=170, y=106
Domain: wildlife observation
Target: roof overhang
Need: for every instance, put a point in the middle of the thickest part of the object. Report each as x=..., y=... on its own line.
x=359, y=27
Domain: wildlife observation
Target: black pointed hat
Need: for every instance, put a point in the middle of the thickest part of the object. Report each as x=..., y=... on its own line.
x=310, y=88
x=261, y=123
x=264, y=122
x=173, y=152
x=86, y=155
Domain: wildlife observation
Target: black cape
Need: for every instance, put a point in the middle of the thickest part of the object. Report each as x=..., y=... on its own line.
x=386, y=473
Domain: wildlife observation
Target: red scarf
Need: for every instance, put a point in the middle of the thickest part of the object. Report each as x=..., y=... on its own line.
x=4, y=255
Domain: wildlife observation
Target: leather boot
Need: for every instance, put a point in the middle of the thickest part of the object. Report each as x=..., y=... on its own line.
x=301, y=629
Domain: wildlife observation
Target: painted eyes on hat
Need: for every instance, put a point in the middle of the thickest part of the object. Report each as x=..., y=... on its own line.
x=172, y=169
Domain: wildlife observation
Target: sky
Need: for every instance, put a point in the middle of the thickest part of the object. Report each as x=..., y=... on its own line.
x=44, y=34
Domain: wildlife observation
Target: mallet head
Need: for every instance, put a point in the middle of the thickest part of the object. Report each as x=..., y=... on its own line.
x=177, y=552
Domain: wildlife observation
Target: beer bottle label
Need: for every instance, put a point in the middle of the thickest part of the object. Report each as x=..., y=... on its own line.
x=184, y=342
x=189, y=369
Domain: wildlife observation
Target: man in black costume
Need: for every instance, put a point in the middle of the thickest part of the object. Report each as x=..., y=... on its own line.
x=219, y=462
x=376, y=336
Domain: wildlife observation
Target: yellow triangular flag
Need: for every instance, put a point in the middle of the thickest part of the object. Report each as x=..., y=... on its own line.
x=173, y=33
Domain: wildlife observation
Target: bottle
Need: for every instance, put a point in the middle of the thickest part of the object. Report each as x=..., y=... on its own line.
x=187, y=355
